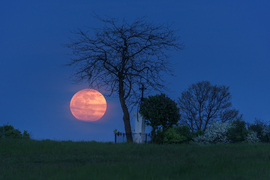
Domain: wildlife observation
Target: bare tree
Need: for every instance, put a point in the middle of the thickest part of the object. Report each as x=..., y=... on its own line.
x=120, y=55
x=202, y=104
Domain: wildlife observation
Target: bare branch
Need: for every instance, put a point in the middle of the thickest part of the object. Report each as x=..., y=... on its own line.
x=202, y=104
x=117, y=56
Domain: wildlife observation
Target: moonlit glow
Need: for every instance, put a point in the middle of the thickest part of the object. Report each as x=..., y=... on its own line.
x=88, y=105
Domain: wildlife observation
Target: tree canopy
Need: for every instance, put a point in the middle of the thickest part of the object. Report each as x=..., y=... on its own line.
x=159, y=111
x=8, y=131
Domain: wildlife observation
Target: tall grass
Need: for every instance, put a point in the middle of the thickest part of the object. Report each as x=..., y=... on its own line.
x=30, y=159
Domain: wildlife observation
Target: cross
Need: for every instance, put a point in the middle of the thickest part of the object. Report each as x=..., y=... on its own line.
x=142, y=88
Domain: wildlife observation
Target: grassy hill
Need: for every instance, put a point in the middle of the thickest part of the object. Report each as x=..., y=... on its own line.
x=31, y=159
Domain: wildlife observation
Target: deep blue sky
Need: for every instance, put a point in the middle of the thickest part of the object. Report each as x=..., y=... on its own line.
x=227, y=43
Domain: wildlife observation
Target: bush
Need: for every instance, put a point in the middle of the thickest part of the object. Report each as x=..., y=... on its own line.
x=184, y=131
x=25, y=135
x=261, y=128
x=178, y=134
x=266, y=133
x=217, y=133
x=196, y=134
x=8, y=131
x=238, y=132
x=157, y=136
x=171, y=136
x=252, y=137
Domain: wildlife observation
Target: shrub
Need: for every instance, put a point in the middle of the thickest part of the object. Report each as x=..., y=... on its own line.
x=178, y=134
x=1, y=132
x=157, y=136
x=196, y=134
x=238, y=132
x=266, y=133
x=171, y=136
x=185, y=131
x=258, y=127
x=262, y=130
x=25, y=135
x=252, y=137
x=216, y=133
x=8, y=131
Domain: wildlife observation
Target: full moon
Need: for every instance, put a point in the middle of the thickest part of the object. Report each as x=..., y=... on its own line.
x=88, y=105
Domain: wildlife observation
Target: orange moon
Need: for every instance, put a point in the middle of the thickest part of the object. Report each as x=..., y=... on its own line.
x=88, y=105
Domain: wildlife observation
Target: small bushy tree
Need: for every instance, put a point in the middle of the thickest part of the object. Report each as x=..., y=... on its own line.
x=161, y=113
x=238, y=132
x=8, y=131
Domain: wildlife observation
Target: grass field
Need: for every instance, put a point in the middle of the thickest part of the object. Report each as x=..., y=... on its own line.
x=30, y=159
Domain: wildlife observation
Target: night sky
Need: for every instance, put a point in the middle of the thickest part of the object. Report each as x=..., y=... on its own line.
x=226, y=43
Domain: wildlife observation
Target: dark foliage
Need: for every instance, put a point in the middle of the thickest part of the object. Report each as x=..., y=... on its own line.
x=258, y=127
x=161, y=113
x=8, y=131
x=178, y=134
x=238, y=132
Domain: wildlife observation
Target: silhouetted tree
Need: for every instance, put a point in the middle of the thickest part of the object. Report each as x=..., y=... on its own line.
x=119, y=55
x=161, y=113
x=8, y=131
x=238, y=132
x=202, y=104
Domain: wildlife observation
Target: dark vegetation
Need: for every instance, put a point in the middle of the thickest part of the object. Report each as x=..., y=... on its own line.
x=46, y=159
x=180, y=134
x=161, y=113
x=262, y=129
x=237, y=133
x=24, y=158
x=203, y=103
x=201, y=106
x=9, y=132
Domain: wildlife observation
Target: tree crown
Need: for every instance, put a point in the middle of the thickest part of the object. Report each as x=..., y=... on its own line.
x=160, y=111
x=121, y=55
x=202, y=104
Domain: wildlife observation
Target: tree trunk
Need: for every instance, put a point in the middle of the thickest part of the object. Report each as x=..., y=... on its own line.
x=126, y=117
x=154, y=136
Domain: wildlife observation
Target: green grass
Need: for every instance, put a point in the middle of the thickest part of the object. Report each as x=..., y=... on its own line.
x=30, y=159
